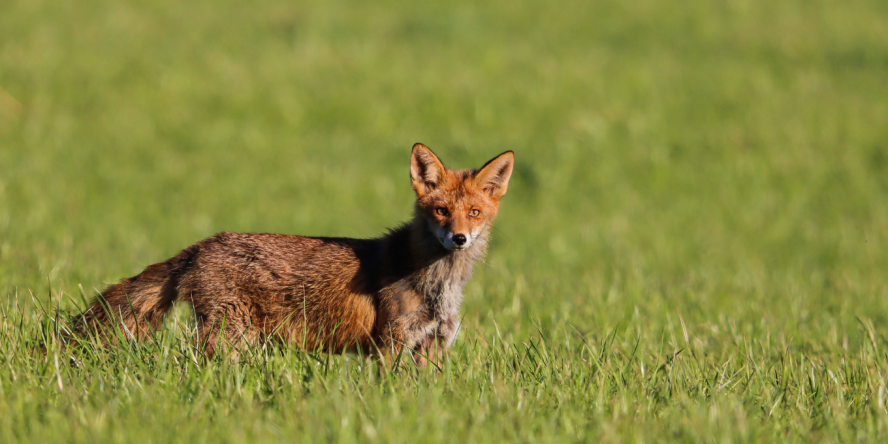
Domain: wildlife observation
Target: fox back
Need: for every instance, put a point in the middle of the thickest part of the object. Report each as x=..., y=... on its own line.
x=399, y=292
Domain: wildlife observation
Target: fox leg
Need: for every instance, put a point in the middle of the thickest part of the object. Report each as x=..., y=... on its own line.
x=229, y=340
x=434, y=347
x=448, y=330
x=401, y=336
x=390, y=345
x=431, y=349
x=225, y=327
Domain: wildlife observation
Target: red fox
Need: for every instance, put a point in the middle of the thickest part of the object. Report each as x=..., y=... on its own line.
x=397, y=293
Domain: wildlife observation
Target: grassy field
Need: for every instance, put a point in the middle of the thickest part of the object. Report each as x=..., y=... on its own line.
x=694, y=246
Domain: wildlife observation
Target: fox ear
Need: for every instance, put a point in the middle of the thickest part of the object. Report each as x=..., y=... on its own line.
x=426, y=170
x=494, y=176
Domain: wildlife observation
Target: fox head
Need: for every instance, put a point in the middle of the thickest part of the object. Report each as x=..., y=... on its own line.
x=458, y=206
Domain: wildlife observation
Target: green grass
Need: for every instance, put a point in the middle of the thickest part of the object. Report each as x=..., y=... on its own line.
x=693, y=248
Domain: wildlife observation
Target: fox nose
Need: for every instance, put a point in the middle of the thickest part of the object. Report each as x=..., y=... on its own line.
x=459, y=239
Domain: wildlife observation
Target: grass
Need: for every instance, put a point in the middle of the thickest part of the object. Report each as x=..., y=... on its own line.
x=693, y=247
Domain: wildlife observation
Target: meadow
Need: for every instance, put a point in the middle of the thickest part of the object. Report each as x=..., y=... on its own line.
x=693, y=248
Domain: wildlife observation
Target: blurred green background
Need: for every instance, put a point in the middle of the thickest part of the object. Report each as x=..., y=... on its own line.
x=725, y=161
x=736, y=150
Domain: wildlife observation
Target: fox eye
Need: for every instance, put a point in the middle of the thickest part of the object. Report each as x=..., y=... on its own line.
x=442, y=212
x=475, y=213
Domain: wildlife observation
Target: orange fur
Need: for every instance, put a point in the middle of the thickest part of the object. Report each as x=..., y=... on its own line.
x=403, y=289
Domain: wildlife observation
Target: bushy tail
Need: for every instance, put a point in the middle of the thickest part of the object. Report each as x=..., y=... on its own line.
x=137, y=304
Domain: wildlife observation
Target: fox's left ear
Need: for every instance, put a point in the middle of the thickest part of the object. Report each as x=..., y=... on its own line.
x=494, y=176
